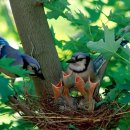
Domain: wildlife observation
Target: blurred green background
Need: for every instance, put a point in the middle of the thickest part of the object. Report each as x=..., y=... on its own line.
x=81, y=22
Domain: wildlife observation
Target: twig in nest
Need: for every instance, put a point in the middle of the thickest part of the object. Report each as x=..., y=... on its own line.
x=21, y=107
x=45, y=117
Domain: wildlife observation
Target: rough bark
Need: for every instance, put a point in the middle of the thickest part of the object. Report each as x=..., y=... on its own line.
x=37, y=41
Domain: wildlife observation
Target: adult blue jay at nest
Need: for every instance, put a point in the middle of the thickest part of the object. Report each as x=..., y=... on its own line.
x=25, y=61
x=82, y=64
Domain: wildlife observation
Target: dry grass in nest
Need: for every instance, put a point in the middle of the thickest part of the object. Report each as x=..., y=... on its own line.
x=44, y=114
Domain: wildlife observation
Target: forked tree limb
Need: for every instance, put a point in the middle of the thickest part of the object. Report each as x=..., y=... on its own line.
x=37, y=41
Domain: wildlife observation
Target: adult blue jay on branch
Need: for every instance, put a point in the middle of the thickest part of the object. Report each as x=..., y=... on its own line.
x=25, y=61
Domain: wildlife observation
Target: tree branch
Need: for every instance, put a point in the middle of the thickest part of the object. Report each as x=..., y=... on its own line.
x=37, y=40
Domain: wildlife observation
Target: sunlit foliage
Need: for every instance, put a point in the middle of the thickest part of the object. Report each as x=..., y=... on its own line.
x=81, y=27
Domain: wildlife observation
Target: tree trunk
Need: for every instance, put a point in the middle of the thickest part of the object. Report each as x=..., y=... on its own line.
x=37, y=41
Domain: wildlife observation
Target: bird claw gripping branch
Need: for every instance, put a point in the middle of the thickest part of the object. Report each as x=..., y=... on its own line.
x=62, y=92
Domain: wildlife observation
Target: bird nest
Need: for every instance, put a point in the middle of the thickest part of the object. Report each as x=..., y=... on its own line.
x=44, y=114
x=64, y=112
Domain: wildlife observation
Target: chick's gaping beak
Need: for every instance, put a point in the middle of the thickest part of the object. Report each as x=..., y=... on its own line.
x=71, y=61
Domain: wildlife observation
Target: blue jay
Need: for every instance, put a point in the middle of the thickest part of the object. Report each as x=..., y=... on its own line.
x=87, y=68
x=25, y=61
x=84, y=66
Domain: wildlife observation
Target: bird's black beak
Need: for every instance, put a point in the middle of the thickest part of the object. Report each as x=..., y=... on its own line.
x=70, y=61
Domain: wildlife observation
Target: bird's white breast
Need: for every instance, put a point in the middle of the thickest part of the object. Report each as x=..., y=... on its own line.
x=88, y=72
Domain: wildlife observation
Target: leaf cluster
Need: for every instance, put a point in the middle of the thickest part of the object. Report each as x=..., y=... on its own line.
x=99, y=40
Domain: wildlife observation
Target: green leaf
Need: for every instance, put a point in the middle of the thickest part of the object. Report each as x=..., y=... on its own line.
x=57, y=8
x=74, y=93
x=113, y=94
x=94, y=15
x=119, y=18
x=124, y=123
x=126, y=99
x=5, y=90
x=118, y=93
x=5, y=126
x=6, y=64
x=125, y=52
x=127, y=36
x=109, y=46
x=73, y=127
x=4, y=109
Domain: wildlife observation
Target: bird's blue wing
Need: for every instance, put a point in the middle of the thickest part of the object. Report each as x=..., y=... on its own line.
x=3, y=41
x=98, y=63
x=10, y=52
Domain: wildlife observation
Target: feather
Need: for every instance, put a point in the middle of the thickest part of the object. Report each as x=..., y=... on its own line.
x=98, y=63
